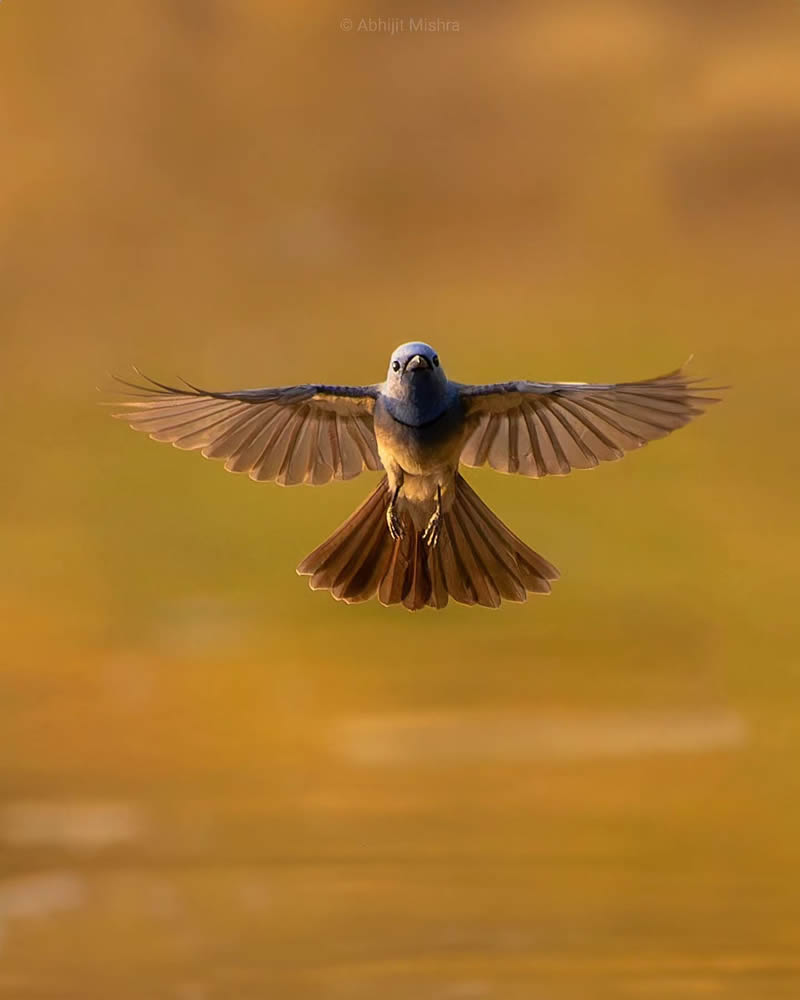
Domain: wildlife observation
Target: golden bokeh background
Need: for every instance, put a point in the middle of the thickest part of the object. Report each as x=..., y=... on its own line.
x=217, y=784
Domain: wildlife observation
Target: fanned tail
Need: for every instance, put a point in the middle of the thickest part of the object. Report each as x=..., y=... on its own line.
x=477, y=560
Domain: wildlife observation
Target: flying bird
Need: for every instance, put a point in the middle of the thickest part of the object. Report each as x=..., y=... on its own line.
x=423, y=535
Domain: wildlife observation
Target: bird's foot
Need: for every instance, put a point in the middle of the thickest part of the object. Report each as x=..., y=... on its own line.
x=434, y=526
x=396, y=529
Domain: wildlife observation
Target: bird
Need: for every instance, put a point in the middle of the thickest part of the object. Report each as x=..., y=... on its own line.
x=423, y=535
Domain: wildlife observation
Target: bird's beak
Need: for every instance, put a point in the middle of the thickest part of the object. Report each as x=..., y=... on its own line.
x=418, y=361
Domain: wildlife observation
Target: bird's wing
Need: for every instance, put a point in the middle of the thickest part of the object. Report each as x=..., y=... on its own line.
x=550, y=428
x=296, y=434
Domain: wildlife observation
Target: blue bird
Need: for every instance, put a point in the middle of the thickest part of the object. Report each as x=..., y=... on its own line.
x=423, y=535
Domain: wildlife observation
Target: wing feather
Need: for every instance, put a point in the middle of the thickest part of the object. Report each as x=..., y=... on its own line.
x=296, y=434
x=550, y=428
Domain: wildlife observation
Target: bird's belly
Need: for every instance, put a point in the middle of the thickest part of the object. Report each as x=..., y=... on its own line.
x=419, y=459
x=420, y=451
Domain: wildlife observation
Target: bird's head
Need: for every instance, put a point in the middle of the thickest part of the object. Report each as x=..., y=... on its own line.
x=414, y=364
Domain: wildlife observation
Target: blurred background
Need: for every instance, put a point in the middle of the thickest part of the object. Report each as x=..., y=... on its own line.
x=215, y=783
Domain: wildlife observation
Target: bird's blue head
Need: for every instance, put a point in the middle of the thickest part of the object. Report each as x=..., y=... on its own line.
x=414, y=363
x=416, y=384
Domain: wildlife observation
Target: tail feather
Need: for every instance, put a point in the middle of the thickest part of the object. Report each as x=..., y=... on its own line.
x=327, y=560
x=458, y=583
x=497, y=561
x=439, y=594
x=417, y=589
x=535, y=571
x=486, y=592
x=351, y=577
x=477, y=559
x=365, y=577
x=392, y=585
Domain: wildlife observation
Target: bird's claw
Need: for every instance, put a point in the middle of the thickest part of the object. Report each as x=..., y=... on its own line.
x=395, y=524
x=432, y=530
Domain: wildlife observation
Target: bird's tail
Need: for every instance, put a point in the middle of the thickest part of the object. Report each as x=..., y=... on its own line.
x=477, y=559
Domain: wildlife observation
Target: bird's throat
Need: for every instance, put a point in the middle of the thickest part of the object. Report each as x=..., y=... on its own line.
x=422, y=402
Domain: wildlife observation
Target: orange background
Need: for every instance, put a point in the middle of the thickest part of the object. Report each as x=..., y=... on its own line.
x=215, y=783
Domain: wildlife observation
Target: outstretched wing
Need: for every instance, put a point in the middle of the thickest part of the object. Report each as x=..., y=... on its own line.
x=550, y=428
x=297, y=434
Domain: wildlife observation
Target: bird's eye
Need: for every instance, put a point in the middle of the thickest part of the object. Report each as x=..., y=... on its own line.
x=436, y=360
x=395, y=366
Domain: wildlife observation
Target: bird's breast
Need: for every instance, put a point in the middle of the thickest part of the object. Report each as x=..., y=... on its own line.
x=420, y=450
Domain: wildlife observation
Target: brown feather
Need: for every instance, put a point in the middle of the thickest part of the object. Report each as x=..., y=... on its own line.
x=477, y=559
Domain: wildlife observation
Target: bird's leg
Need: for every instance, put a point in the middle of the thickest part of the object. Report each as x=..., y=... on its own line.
x=392, y=519
x=431, y=533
